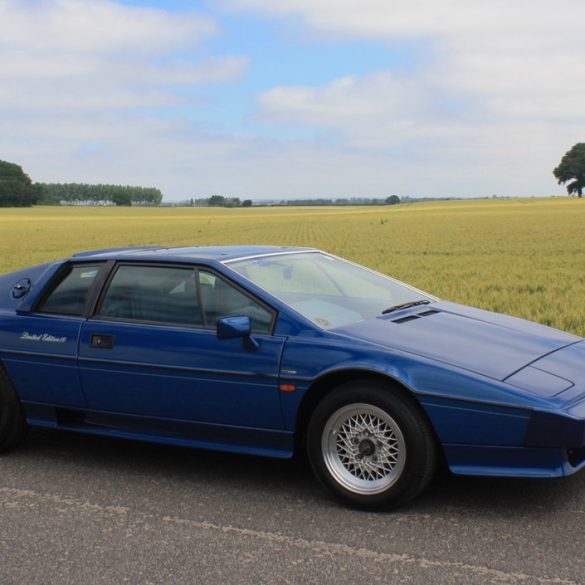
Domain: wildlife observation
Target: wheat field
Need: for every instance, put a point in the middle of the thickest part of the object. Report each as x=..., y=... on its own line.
x=525, y=257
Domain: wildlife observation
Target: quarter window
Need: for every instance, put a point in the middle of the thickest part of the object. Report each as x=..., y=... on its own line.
x=69, y=296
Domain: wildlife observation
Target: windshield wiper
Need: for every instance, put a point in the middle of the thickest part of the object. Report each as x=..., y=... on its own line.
x=405, y=306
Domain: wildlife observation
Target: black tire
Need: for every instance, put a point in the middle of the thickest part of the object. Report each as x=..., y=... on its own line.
x=371, y=445
x=13, y=425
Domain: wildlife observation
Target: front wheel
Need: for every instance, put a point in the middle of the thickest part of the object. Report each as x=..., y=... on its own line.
x=370, y=445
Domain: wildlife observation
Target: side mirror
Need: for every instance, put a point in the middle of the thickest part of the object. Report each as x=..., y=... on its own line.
x=237, y=327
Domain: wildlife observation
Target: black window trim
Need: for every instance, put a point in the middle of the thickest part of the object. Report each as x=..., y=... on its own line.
x=107, y=281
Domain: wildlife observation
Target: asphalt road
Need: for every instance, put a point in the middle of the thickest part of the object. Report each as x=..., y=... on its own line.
x=85, y=510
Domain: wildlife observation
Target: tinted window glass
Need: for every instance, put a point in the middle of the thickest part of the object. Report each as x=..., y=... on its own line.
x=70, y=295
x=221, y=299
x=153, y=294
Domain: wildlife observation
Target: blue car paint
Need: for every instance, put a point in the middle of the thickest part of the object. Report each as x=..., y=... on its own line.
x=38, y=275
x=473, y=372
x=42, y=369
x=179, y=373
x=466, y=338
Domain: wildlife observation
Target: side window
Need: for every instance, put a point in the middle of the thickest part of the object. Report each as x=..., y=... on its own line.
x=153, y=294
x=221, y=299
x=69, y=296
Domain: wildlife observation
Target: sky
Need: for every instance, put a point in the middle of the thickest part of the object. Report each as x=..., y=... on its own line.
x=277, y=99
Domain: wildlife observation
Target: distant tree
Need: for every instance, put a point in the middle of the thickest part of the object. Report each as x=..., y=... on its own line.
x=572, y=168
x=221, y=201
x=216, y=201
x=16, y=188
x=232, y=202
x=392, y=200
x=247, y=203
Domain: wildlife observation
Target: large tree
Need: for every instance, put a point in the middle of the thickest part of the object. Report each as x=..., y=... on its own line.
x=572, y=168
x=16, y=188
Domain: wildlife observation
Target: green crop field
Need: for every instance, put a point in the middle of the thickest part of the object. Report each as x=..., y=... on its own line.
x=524, y=257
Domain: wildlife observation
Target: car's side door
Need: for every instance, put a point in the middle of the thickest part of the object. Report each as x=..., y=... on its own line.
x=151, y=350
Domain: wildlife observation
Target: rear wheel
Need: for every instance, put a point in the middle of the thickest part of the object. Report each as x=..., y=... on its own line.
x=13, y=425
x=371, y=446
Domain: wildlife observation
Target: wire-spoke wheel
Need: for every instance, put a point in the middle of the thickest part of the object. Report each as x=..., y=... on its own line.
x=363, y=448
x=371, y=445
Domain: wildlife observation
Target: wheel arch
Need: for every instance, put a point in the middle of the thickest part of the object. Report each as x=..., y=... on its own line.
x=7, y=379
x=13, y=425
x=327, y=383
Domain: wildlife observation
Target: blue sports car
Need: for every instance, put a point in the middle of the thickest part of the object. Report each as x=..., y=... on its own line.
x=276, y=350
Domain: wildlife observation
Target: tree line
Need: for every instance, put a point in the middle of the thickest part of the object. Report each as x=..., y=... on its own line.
x=392, y=200
x=85, y=194
x=219, y=201
x=18, y=190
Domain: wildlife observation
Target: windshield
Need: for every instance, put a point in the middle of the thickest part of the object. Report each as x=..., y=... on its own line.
x=329, y=291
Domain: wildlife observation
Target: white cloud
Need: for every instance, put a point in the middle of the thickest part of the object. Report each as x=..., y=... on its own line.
x=102, y=26
x=497, y=94
x=392, y=130
x=391, y=18
x=175, y=155
x=517, y=58
x=346, y=100
x=89, y=89
x=185, y=161
x=101, y=83
x=378, y=110
x=99, y=54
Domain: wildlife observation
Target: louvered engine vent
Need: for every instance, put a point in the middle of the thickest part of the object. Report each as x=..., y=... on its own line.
x=413, y=317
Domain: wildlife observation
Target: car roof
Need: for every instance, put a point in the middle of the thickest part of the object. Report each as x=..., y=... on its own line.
x=193, y=253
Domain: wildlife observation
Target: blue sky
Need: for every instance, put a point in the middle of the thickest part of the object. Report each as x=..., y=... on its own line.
x=295, y=98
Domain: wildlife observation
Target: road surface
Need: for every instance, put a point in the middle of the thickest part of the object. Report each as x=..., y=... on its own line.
x=84, y=510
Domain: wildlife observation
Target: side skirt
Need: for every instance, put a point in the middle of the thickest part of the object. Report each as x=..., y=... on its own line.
x=216, y=437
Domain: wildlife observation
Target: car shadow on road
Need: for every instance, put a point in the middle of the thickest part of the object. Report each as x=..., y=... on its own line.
x=257, y=477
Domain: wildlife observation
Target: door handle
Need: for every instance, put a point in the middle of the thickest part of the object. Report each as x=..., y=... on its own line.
x=102, y=341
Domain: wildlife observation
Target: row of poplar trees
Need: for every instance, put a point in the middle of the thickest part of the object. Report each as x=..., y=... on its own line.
x=17, y=190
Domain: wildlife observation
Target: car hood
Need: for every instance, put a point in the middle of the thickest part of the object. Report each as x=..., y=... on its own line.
x=490, y=344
